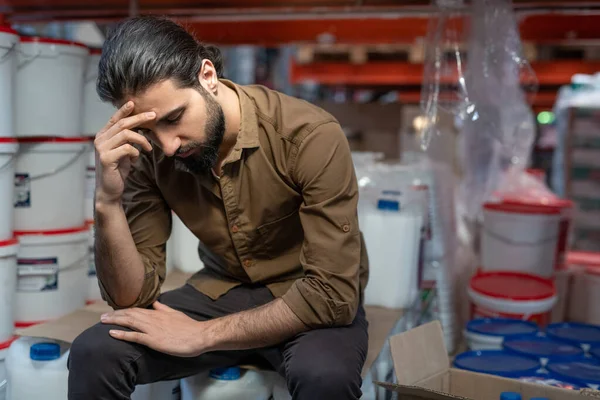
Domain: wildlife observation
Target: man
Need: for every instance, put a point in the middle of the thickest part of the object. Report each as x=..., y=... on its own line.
x=265, y=181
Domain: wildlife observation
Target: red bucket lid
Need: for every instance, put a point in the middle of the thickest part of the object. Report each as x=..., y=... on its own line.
x=8, y=29
x=53, y=139
x=95, y=51
x=9, y=242
x=513, y=285
x=61, y=42
x=67, y=231
x=560, y=203
x=6, y=345
x=590, y=260
x=8, y=140
x=522, y=208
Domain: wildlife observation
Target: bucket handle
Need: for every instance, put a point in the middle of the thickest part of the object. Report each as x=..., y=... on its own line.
x=515, y=243
x=8, y=163
x=9, y=50
x=29, y=60
x=62, y=167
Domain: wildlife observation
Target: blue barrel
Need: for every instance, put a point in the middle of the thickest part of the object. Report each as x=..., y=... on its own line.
x=497, y=362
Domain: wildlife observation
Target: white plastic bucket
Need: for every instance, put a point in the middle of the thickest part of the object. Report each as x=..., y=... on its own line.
x=505, y=294
x=9, y=41
x=37, y=369
x=96, y=113
x=90, y=185
x=584, y=299
x=49, y=90
x=519, y=237
x=50, y=183
x=52, y=274
x=8, y=285
x=227, y=384
x=3, y=374
x=8, y=150
x=93, y=292
x=280, y=389
x=164, y=390
x=183, y=245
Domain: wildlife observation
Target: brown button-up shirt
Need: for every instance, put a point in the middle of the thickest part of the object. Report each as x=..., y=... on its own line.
x=283, y=213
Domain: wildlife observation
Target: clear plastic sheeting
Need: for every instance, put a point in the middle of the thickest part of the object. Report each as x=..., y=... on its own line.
x=502, y=134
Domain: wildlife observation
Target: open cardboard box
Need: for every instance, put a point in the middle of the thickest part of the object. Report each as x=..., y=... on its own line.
x=67, y=328
x=423, y=372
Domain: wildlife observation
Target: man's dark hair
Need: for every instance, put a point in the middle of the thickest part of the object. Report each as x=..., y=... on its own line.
x=143, y=51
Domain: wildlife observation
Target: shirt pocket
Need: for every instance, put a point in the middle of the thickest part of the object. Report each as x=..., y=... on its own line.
x=279, y=236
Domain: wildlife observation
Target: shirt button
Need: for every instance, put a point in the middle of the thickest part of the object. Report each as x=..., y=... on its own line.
x=235, y=229
x=247, y=263
x=346, y=228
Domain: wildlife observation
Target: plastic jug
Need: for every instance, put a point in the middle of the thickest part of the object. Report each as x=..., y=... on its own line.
x=37, y=369
x=165, y=390
x=280, y=389
x=227, y=384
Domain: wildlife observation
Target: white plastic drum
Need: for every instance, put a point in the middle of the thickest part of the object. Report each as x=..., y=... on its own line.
x=519, y=237
x=8, y=285
x=8, y=155
x=37, y=369
x=3, y=374
x=227, y=384
x=164, y=390
x=93, y=292
x=90, y=185
x=9, y=41
x=49, y=90
x=50, y=183
x=52, y=274
x=96, y=113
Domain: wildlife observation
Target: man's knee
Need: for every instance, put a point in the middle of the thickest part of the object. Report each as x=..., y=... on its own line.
x=323, y=380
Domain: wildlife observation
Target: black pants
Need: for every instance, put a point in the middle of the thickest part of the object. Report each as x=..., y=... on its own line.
x=318, y=364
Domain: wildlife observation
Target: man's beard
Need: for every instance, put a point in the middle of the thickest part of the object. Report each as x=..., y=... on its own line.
x=208, y=155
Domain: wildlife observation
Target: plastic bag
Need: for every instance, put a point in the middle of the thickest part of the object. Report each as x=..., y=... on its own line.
x=444, y=67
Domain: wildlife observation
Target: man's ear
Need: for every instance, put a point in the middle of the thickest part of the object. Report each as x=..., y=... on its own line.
x=208, y=76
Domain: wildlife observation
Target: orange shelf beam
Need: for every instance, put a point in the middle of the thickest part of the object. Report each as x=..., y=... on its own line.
x=399, y=73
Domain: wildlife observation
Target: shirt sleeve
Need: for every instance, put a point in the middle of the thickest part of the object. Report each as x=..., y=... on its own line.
x=149, y=219
x=328, y=294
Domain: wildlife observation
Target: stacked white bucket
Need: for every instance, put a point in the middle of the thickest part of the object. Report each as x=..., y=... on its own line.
x=49, y=180
x=9, y=42
x=95, y=115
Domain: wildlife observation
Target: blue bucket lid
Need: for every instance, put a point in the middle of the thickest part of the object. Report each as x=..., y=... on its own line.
x=584, y=371
x=540, y=346
x=44, y=351
x=226, y=374
x=510, y=396
x=595, y=352
x=575, y=333
x=501, y=327
x=497, y=362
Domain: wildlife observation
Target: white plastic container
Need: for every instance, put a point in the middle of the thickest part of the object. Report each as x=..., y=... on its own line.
x=8, y=286
x=227, y=384
x=184, y=248
x=3, y=374
x=50, y=183
x=52, y=274
x=505, y=294
x=280, y=389
x=90, y=185
x=9, y=41
x=8, y=155
x=584, y=297
x=93, y=291
x=96, y=113
x=519, y=237
x=37, y=369
x=490, y=333
x=166, y=390
x=392, y=237
x=49, y=89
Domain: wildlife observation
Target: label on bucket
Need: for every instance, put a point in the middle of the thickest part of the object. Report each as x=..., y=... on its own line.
x=92, y=263
x=37, y=274
x=542, y=319
x=22, y=195
x=90, y=178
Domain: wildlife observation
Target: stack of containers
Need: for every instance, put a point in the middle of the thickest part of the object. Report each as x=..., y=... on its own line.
x=95, y=116
x=9, y=41
x=50, y=180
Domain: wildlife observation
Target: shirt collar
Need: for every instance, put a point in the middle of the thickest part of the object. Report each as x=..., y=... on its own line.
x=248, y=133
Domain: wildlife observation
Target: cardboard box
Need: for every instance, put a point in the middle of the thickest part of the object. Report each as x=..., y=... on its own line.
x=66, y=329
x=423, y=372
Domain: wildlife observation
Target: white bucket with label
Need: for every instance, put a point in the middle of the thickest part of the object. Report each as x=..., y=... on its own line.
x=90, y=185
x=50, y=183
x=49, y=90
x=52, y=274
x=8, y=286
x=96, y=113
x=3, y=374
x=8, y=158
x=37, y=369
x=519, y=237
x=9, y=42
x=93, y=292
